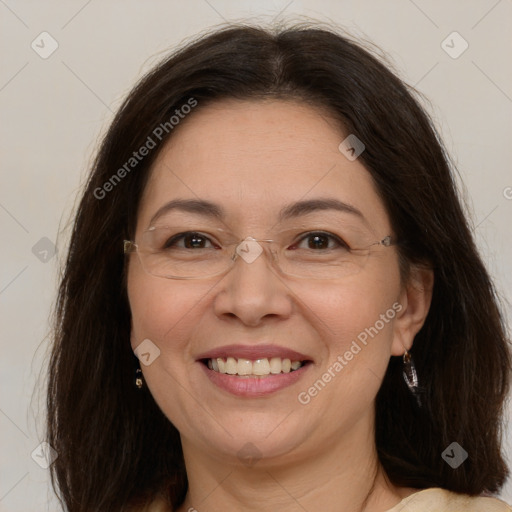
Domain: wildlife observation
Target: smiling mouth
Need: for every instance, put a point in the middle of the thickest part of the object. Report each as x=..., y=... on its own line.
x=253, y=368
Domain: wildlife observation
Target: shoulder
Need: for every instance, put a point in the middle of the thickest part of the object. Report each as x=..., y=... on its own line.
x=441, y=500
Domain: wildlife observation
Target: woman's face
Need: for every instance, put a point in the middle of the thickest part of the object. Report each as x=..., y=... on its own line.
x=253, y=159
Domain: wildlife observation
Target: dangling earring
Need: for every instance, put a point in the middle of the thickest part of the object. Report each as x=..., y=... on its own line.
x=138, y=378
x=411, y=377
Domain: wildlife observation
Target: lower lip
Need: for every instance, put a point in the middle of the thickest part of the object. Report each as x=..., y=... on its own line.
x=254, y=386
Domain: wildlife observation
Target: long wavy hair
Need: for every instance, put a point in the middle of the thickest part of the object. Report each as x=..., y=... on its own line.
x=116, y=449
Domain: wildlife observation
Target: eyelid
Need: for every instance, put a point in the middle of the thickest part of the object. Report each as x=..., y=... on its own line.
x=182, y=230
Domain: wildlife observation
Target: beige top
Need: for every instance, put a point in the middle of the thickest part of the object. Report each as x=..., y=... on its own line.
x=441, y=500
x=428, y=500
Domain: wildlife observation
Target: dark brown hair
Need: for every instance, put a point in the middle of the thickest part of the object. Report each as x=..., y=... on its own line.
x=116, y=448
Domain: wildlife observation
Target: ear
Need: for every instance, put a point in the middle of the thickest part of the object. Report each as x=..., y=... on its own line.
x=415, y=299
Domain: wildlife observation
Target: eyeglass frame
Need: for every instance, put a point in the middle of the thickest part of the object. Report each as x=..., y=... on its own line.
x=130, y=246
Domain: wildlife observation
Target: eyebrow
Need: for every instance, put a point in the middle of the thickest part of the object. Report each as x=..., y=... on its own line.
x=195, y=206
x=313, y=205
x=208, y=209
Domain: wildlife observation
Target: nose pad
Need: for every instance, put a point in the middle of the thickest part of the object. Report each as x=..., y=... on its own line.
x=249, y=250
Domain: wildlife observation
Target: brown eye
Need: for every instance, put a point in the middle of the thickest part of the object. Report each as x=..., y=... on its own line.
x=318, y=241
x=191, y=240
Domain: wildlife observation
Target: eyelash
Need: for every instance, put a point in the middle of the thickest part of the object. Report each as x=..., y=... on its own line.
x=304, y=236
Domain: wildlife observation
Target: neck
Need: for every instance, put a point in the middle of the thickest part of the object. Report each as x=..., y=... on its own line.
x=343, y=475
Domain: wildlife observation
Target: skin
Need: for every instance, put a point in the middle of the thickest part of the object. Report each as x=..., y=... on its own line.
x=252, y=158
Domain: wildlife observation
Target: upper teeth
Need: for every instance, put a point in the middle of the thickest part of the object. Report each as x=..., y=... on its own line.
x=265, y=366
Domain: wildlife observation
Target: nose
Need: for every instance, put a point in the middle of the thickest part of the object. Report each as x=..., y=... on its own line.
x=252, y=290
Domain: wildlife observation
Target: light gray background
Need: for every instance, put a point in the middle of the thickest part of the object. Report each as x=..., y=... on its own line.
x=53, y=111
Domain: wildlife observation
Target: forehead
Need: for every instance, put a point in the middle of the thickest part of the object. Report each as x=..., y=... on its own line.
x=253, y=157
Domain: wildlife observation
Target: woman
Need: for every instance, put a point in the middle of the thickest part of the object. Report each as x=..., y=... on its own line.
x=273, y=298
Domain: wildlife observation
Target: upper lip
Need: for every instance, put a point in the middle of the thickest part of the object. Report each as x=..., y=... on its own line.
x=254, y=352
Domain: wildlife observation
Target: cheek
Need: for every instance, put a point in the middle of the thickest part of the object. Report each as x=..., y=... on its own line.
x=160, y=310
x=164, y=313
x=353, y=308
x=357, y=338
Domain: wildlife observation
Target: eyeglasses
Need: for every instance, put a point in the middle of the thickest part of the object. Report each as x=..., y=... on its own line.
x=173, y=252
